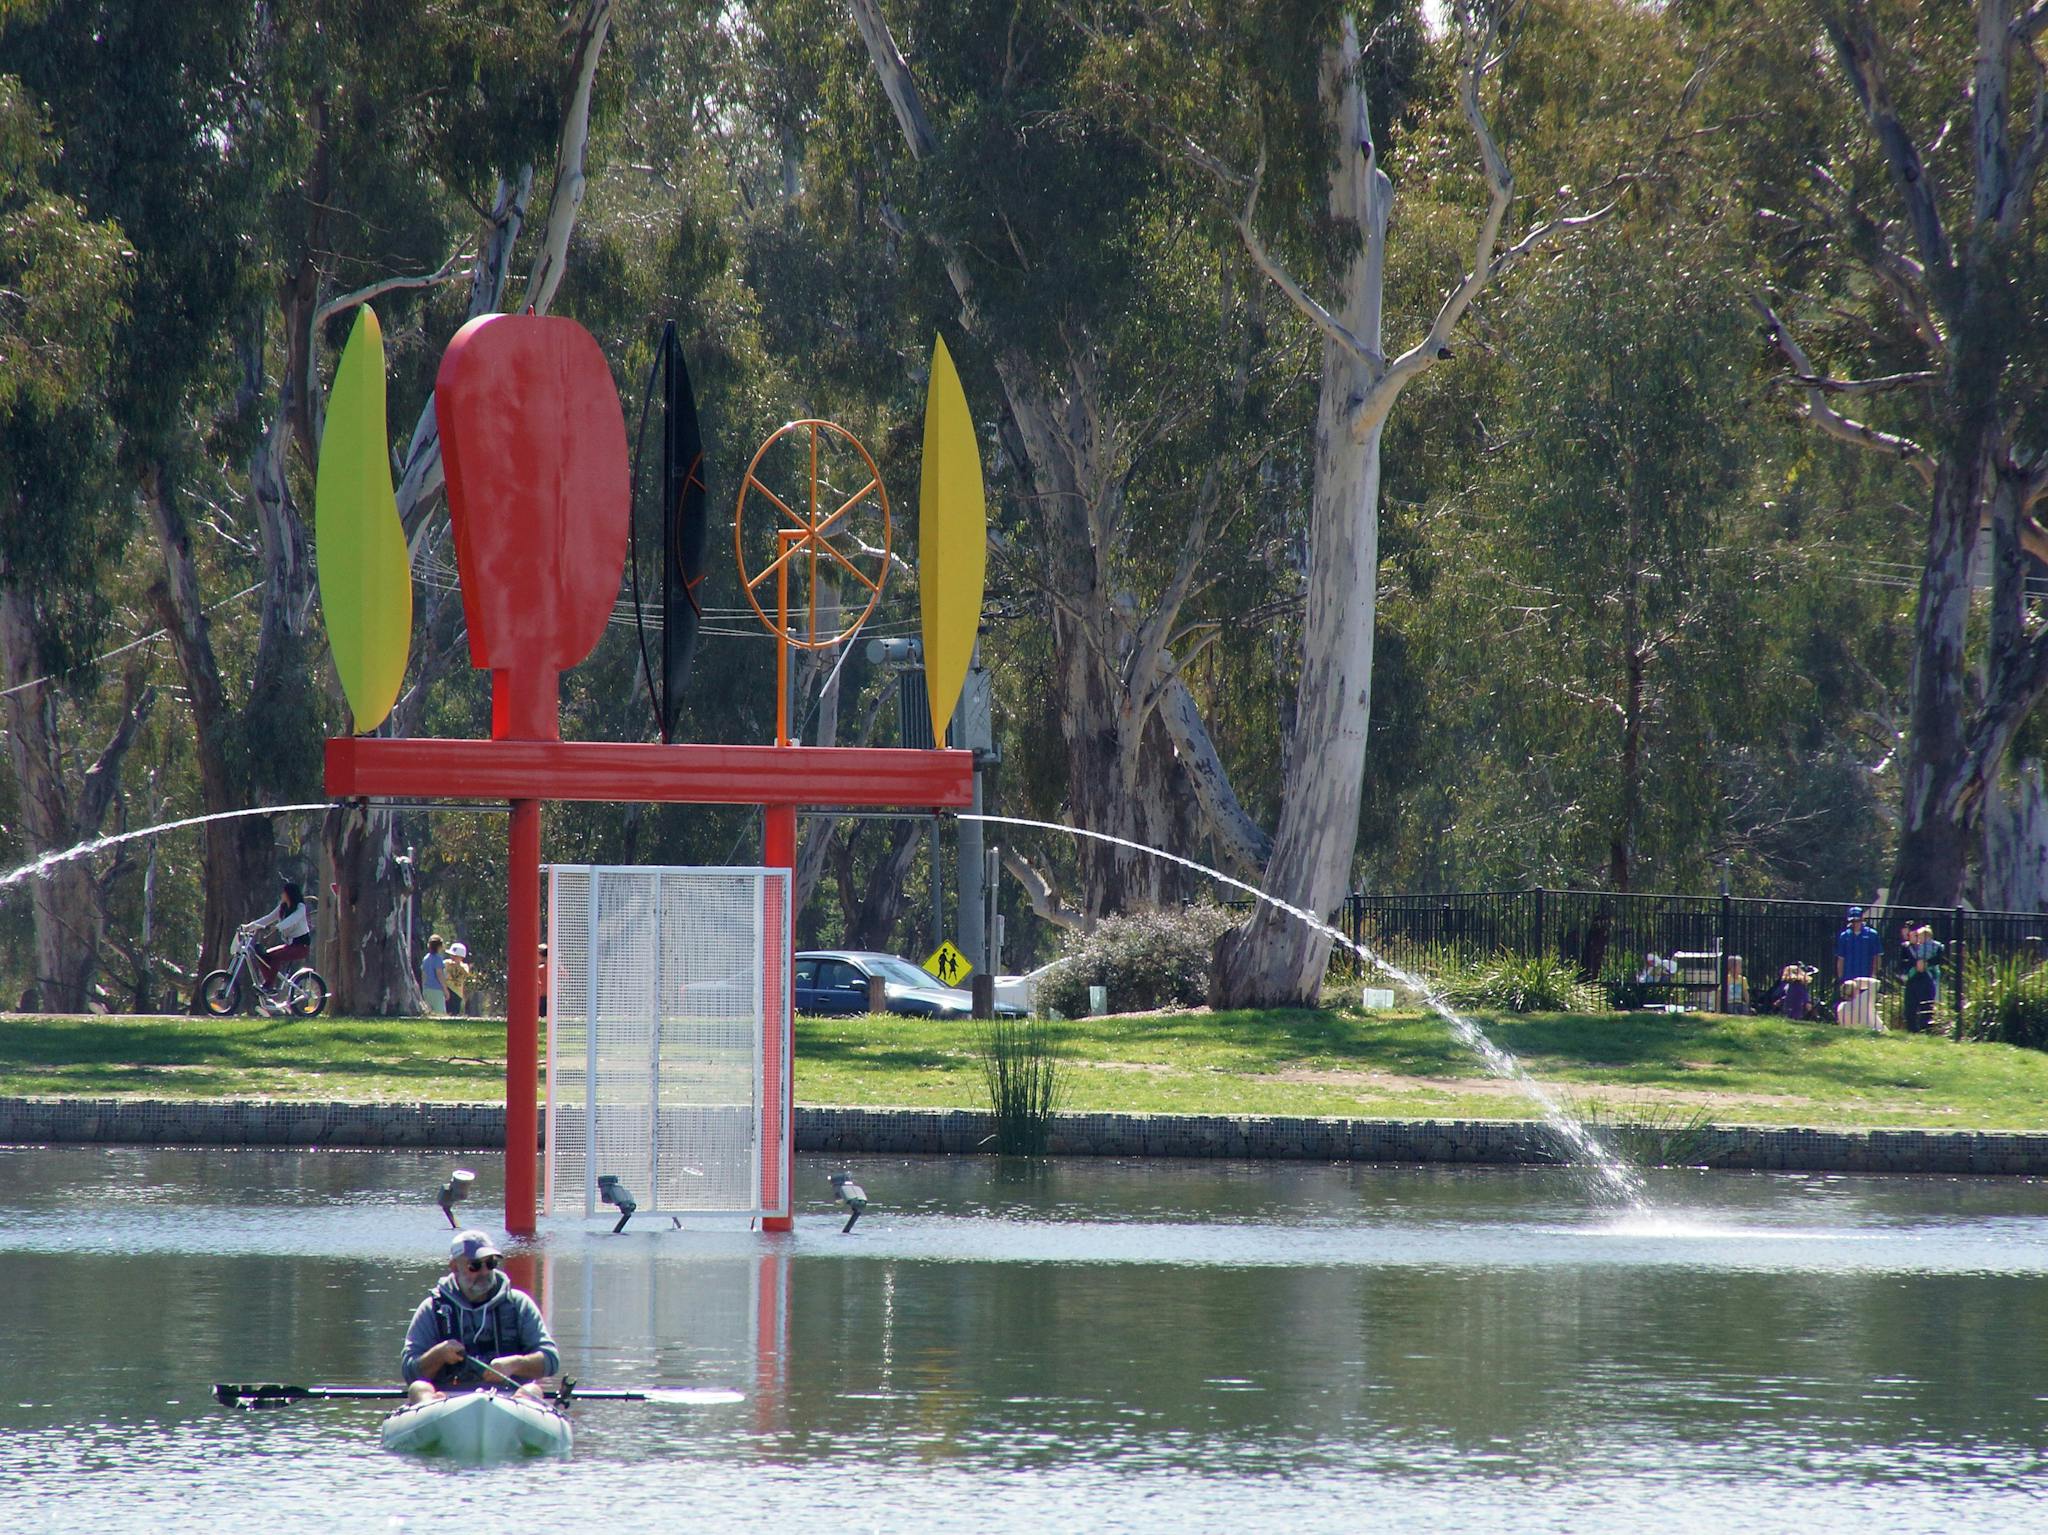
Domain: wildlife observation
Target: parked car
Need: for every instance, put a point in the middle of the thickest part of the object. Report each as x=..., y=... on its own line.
x=836, y=981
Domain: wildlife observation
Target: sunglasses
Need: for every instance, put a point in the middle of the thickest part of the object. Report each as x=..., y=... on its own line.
x=488, y=1263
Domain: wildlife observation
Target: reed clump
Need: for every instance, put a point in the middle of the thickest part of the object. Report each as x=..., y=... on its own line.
x=1023, y=1067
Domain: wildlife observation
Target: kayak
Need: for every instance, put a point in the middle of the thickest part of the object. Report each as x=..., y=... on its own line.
x=479, y=1425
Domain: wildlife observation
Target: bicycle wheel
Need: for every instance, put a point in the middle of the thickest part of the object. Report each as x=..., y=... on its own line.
x=308, y=994
x=220, y=994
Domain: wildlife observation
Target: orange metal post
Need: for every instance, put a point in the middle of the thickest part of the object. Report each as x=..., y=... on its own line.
x=522, y=1021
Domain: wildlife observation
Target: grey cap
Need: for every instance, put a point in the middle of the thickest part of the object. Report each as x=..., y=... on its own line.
x=473, y=1245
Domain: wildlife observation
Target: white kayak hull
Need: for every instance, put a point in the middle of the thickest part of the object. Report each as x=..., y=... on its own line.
x=479, y=1425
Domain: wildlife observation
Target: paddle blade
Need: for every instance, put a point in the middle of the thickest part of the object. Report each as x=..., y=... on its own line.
x=359, y=543
x=535, y=446
x=952, y=539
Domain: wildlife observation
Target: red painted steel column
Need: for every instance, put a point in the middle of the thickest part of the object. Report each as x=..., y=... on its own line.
x=778, y=837
x=522, y=1020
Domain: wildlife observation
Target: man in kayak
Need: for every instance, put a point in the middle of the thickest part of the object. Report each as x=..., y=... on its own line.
x=475, y=1316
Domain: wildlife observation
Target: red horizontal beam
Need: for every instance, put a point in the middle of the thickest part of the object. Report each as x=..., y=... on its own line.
x=366, y=767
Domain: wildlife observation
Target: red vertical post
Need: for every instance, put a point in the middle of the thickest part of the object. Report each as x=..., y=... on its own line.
x=522, y=1020
x=778, y=851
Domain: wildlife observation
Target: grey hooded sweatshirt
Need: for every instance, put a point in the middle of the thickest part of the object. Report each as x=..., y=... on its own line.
x=505, y=1322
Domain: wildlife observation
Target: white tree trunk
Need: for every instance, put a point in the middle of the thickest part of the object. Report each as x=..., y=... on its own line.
x=1275, y=958
x=2013, y=872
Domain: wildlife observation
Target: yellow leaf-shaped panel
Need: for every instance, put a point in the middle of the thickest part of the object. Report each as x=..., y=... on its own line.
x=952, y=539
x=359, y=543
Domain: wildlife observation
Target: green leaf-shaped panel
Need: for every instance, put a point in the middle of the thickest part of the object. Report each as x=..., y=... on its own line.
x=365, y=582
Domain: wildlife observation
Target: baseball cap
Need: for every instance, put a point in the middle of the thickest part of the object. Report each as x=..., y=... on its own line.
x=473, y=1245
x=1855, y=911
x=461, y=950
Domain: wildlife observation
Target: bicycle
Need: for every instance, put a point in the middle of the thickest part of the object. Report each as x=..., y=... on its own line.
x=301, y=994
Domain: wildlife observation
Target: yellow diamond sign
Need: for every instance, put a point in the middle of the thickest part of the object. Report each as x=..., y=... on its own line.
x=949, y=964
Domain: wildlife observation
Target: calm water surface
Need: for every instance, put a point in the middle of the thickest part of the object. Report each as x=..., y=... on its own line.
x=1075, y=1345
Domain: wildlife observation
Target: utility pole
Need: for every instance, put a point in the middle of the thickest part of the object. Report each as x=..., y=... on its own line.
x=972, y=729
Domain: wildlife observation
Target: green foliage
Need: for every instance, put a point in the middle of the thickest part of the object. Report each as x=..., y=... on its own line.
x=1648, y=1131
x=1021, y=1065
x=1147, y=959
x=1512, y=983
x=2008, y=1003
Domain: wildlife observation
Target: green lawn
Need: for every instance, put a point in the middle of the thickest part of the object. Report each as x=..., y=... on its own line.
x=1402, y=1065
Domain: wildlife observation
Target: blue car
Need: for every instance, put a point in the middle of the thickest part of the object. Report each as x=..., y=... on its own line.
x=836, y=981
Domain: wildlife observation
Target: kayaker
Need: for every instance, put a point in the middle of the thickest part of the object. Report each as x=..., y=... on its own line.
x=475, y=1314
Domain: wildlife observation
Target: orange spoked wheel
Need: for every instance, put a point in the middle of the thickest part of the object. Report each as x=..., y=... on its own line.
x=831, y=524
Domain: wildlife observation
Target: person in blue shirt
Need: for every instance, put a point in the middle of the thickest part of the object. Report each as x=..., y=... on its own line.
x=433, y=982
x=1857, y=948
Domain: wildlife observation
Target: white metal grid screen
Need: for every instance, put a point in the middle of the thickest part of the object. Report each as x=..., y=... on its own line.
x=668, y=1038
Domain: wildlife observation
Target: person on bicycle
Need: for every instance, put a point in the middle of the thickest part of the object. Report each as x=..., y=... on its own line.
x=294, y=927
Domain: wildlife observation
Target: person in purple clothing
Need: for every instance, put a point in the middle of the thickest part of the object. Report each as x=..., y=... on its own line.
x=1857, y=948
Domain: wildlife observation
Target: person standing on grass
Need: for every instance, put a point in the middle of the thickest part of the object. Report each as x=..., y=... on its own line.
x=1857, y=947
x=1920, y=967
x=456, y=975
x=433, y=983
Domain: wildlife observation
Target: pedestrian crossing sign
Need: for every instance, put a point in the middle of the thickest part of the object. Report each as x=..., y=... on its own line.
x=949, y=964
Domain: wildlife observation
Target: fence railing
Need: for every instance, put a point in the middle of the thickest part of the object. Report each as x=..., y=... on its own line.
x=1607, y=934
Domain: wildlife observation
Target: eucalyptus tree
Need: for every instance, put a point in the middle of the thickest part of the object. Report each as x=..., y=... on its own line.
x=1074, y=266
x=1892, y=168
x=1600, y=591
x=64, y=282
x=159, y=131
x=1317, y=137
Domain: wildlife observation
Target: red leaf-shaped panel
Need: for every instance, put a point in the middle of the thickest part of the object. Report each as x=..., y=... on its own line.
x=534, y=444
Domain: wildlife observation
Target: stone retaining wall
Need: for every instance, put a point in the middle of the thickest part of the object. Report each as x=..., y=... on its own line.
x=481, y=1126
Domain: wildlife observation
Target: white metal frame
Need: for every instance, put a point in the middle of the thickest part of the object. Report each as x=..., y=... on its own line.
x=770, y=1013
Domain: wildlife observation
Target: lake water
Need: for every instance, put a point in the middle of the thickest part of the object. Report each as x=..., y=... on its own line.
x=1075, y=1345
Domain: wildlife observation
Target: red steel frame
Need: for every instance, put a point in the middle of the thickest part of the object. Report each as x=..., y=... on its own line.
x=528, y=411
x=529, y=772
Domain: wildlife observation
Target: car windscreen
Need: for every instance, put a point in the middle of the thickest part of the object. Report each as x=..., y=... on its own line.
x=901, y=971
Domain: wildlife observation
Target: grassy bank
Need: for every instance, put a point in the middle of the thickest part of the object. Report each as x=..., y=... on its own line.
x=1401, y=1065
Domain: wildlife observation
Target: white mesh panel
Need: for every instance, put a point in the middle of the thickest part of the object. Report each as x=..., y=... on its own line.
x=660, y=1005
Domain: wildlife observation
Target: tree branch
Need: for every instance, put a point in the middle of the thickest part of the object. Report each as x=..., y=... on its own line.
x=377, y=290
x=1263, y=259
x=552, y=259
x=897, y=83
x=420, y=472
x=1041, y=892
x=1826, y=417
x=1856, y=46
x=1904, y=277
x=1487, y=266
x=2033, y=153
x=104, y=776
x=1864, y=385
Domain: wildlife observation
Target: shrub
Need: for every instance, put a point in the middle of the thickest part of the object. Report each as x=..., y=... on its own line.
x=1146, y=959
x=2009, y=1003
x=1514, y=983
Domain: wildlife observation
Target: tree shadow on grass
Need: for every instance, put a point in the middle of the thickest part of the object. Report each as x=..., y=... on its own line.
x=205, y=1056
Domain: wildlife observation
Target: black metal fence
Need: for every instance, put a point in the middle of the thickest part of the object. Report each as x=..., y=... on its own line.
x=1607, y=936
